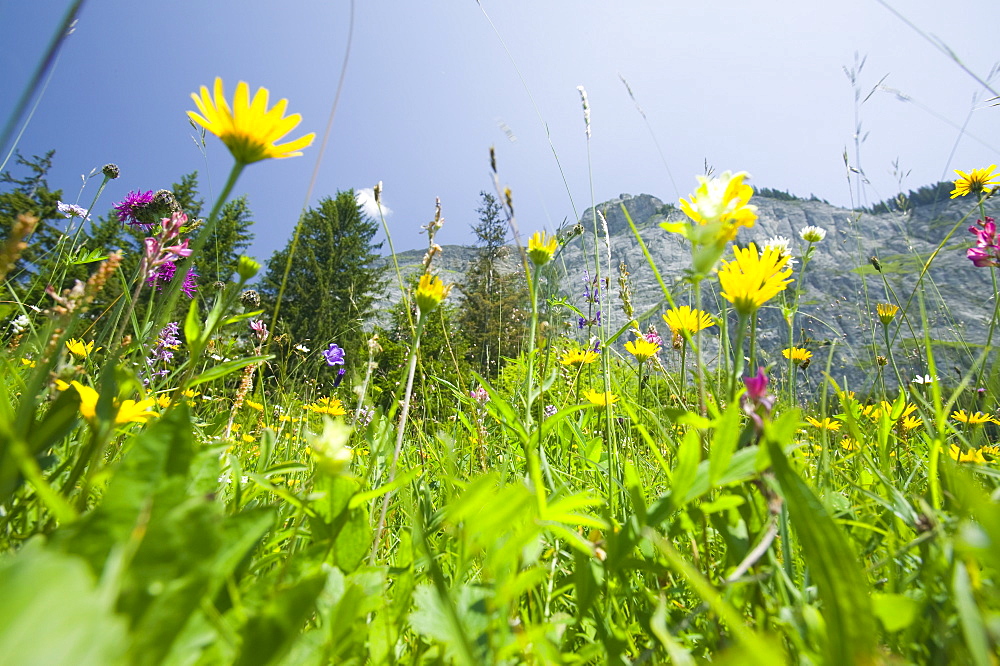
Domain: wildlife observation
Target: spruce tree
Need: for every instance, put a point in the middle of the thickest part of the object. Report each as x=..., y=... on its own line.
x=334, y=280
x=494, y=298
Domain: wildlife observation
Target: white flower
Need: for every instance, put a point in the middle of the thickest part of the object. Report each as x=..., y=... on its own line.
x=72, y=210
x=302, y=348
x=19, y=324
x=812, y=234
x=925, y=379
x=781, y=244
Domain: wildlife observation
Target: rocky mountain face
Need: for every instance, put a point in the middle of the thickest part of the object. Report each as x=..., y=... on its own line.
x=841, y=286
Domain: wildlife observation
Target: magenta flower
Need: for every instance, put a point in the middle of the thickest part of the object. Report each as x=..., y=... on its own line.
x=164, y=274
x=259, y=329
x=987, y=249
x=131, y=209
x=756, y=402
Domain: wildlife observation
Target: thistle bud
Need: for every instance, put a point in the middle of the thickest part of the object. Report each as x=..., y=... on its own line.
x=110, y=171
x=250, y=299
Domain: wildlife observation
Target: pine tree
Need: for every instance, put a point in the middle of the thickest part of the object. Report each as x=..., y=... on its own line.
x=30, y=194
x=334, y=280
x=494, y=299
x=223, y=248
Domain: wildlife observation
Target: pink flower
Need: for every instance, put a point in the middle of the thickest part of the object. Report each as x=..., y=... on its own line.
x=757, y=404
x=987, y=249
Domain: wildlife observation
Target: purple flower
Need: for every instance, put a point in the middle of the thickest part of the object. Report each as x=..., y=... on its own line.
x=131, y=209
x=479, y=395
x=550, y=410
x=162, y=351
x=581, y=323
x=653, y=336
x=340, y=377
x=334, y=355
x=164, y=274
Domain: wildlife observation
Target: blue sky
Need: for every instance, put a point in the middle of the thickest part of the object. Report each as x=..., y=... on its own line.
x=755, y=86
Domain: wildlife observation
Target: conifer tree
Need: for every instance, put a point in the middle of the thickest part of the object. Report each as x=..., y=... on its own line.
x=494, y=297
x=334, y=279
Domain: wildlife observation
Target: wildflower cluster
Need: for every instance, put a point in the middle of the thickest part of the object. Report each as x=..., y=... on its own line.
x=987, y=249
x=158, y=262
x=162, y=353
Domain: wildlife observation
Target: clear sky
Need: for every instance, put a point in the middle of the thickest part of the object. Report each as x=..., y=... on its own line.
x=756, y=86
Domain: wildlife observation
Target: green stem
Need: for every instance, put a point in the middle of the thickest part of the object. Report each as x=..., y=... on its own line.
x=401, y=429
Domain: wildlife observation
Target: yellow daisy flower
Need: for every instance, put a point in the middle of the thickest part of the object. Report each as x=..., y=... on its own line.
x=797, y=355
x=331, y=406
x=724, y=200
x=578, y=357
x=977, y=418
x=975, y=182
x=249, y=129
x=975, y=455
x=685, y=319
x=753, y=278
x=129, y=411
x=81, y=348
x=826, y=424
x=600, y=398
x=886, y=312
x=430, y=292
x=254, y=405
x=642, y=349
x=850, y=444
x=541, y=247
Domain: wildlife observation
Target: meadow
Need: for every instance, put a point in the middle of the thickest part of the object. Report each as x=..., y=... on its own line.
x=178, y=487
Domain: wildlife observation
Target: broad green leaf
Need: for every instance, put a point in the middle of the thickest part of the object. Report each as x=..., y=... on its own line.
x=895, y=611
x=223, y=369
x=843, y=588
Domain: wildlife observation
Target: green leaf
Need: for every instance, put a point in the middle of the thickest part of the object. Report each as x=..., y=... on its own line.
x=192, y=328
x=843, y=589
x=724, y=441
x=895, y=611
x=53, y=612
x=229, y=367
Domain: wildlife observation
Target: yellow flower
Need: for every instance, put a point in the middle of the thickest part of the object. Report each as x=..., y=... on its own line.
x=163, y=401
x=254, y=405
x=249, y=439
x=541, y=247
x=600, y=398
x=753, y=278
x=28, y=362
x=81, y=348
x=975, y=455
x=911, y=422
x=685, y=319
x=886, y=312
x=975, y=182
x=128, y=412
x=826, y=424
x=642, y=349
x=797, y=355
x=430, y=292
x=578, y=357
x=724, y=201
x=331, y=406
x=249, y=129
x=977, y=418
x=850, y=444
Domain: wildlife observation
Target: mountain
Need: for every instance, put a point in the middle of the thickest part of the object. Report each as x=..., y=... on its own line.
x=837, y=315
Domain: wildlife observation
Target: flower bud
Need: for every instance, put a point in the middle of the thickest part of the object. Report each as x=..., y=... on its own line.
x=247, y=268
x=110, y=171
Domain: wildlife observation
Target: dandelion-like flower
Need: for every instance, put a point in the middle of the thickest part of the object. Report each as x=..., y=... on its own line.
x=430, y=292
x=977, y=181
x=724, y=200
x=250, y=130
x=81, y=348
x=753, y=277
x=973, y=456
x=578, y=357
x=973, y=418
x=886, y=312
x=812, y=234
x=686, y=319
x=329, y=406
x=600, y=398
x=642, y=349
x=129, y=411
x=797, y=355
x=826, y=424
x=541, y=247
